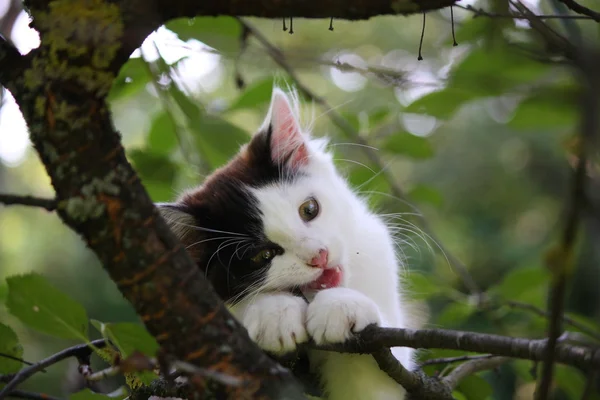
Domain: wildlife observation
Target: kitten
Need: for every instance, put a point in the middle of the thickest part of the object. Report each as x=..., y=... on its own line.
x=279, y=217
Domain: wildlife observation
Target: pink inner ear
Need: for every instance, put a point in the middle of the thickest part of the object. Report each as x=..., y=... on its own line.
x=287, y=141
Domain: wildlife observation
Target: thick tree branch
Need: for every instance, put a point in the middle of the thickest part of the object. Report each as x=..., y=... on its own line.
x=30, y=201
x=62, y=96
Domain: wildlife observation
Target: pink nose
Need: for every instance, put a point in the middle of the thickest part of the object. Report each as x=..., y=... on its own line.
x=320, y=261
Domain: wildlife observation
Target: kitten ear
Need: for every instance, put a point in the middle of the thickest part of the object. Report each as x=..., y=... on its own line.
x=177, y=217
x=286, y=141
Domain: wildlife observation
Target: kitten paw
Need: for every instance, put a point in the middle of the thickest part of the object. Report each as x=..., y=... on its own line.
x=335, y=314
x=276, y=322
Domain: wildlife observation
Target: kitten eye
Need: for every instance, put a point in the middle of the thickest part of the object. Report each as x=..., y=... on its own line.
x=264, y=256
x=309, y=209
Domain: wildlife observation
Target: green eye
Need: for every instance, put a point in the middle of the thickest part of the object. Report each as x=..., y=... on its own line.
x=264, y=256
x=309, y=210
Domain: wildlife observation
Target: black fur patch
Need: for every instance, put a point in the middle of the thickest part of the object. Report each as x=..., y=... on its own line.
x=223, y=204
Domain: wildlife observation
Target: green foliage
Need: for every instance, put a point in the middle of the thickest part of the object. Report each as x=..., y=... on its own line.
x=87, y=394
x=523, y=284
x=221, y=33
x=41, y=306
x=162, y=138
x=128, y=337
x=474, y=387
x=407, y=144
x=218, y=139
x=10, y=346
x=254, y=96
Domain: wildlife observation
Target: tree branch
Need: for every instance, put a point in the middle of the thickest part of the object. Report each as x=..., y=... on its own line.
x=373, y=339
x=560, y=260
x=580, y=9
x=11, y=199
x=21, y=394
x=79, y=351
x=569, y=321
x=472, y=367
x=417, y=384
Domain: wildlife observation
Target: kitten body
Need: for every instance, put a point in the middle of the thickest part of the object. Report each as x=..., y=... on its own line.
x=280, y=217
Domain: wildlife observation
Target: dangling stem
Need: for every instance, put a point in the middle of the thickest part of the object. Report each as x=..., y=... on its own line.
x=291, y=25
x=284, y=27
x=452, y=22
x=331, y=24
x=420, y=57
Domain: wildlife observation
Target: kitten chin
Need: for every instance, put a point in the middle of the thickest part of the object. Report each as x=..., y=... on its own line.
x=278, y=218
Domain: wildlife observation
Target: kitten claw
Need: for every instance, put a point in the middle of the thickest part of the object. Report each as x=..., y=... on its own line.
x=336, y=314
x=276, y=322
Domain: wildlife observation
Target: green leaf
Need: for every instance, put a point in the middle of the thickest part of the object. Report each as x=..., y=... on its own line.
x=220, y=33
x=41, y=306
x=422, y=287
x=426, y=194
x=255, y=95
x=441, y=104
x=543, y=112
x=162, y=137
x=217, y=139
x=491, y=71
x=156, y=171
x=410, y=145
x=458, y=395
x=9, y=345
x=475, y=387
x=455, y=314
x=87, y=394
x=521, y=281
x=132, y=77
x=128, y=337
x=570, y=380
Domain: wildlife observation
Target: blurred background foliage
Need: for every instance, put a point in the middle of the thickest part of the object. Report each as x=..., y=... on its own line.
x=478, y=138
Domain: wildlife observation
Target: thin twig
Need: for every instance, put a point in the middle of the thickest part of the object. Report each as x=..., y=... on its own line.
x=472, y=367
x=580, y=9
x=480, y=12
x=21, y=394
x=15, y=359
x=451, y=360
x=560, y=261
x=12, y=199
x=276, y=54
x=25, y=373
x=569, y=321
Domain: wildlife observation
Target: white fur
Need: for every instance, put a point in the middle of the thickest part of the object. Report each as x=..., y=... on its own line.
x=356, y=239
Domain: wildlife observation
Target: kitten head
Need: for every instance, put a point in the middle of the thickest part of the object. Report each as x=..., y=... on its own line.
x=274, y=217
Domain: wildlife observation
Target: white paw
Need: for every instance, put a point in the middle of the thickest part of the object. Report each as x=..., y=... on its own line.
x=276, y=322
x=335, y=314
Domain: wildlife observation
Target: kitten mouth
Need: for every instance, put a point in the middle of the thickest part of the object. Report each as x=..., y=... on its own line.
x=329, y=278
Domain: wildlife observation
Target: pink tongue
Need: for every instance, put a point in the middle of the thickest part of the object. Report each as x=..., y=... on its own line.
x=330, y=278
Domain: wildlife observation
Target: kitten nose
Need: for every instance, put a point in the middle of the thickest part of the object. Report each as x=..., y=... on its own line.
x=320, y=261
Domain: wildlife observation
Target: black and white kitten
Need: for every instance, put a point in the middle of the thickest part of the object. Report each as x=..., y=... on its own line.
x=280, y=217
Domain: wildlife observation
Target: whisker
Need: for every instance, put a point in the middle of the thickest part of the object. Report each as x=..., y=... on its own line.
x=355, y=162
